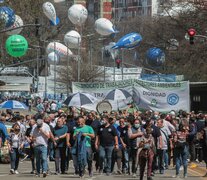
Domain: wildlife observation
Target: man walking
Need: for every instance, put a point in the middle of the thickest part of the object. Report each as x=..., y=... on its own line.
x=40, y=136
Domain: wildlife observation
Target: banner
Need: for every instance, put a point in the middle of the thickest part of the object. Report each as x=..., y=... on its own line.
x=159, y=77
x=162, y=77
x=157, y=96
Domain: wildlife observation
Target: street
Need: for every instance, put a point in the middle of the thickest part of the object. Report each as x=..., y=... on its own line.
x=25, y=168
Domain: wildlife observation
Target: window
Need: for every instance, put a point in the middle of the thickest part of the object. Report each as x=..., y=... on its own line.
x=196, y=98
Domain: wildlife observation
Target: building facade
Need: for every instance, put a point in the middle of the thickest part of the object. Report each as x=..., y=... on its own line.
x=118, y=9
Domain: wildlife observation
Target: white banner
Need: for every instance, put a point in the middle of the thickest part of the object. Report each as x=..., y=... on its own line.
x=157, y=96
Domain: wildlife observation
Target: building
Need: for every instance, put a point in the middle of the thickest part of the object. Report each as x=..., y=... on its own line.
x=198, y=96
x=118, y=9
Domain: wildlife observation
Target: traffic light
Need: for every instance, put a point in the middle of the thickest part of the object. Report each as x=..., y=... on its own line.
x=118, y=62
x=191, y=33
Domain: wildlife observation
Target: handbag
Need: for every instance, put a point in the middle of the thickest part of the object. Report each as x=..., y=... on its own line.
x=180, y=144
x=4, y=155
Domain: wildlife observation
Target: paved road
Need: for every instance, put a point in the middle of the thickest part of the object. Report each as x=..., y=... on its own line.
x=25, y=167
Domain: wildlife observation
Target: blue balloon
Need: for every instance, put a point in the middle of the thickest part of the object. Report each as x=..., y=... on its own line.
x=155, y=56
x=128, y=41
x=57, y=22
x=8, y=15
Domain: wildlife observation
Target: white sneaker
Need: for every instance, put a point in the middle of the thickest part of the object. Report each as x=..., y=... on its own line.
x=12, y=171
x=176, y=176
x=16, y=172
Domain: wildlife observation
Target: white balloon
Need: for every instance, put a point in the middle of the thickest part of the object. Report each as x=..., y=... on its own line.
x=60, y=49
x=18, y=22
x=72, y=39
x=53, y=57
x=77, y=14
x=104, y=27
x=49, y=11
x=58, y=1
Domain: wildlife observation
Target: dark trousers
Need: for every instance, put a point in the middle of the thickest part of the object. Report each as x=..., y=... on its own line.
x=160, y=154
x=67, y=158
x=134, y=160
x=116, y=157
x=14, y=156
x=192, y=151
x=60, y=159
x=143, y=160
x=89, y=155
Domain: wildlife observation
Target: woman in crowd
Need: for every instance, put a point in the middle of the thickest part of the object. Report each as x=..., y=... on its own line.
x=180, y=150
x=147, y=146
x=15, y=144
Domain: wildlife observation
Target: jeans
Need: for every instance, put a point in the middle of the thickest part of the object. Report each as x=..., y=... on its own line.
x=60, y=159
x=14, y=156
x=166, y=158
x=125, y=160
x=41, y=158
x=160, y=153
x=51, y=152
x=105, y=153
x=181, y=158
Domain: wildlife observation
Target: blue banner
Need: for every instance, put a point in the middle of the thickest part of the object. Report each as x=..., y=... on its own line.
x=159, y=77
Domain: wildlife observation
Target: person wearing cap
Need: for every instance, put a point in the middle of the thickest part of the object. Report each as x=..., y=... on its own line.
x=40, y=135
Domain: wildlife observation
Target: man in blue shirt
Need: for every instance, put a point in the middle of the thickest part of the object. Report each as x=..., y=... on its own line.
x=60, y=133
x=3, y=130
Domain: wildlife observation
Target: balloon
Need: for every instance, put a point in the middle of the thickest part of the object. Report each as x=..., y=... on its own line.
x=77, y=14
x=155, y=56
x=56, y=22
x=18, y=23
x=60, y=49
x=72, y=39
x=49, y=11
x=53, y=57
x=104, y=27
x=16, y=45
x=57, y=1
x=113, y=52
x=7, y=14
x=128, y=41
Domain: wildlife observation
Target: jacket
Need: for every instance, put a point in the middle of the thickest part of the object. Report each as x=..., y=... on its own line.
x=79, y=149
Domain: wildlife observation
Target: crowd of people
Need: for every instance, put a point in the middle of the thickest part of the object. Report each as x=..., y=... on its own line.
x=130, y=140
